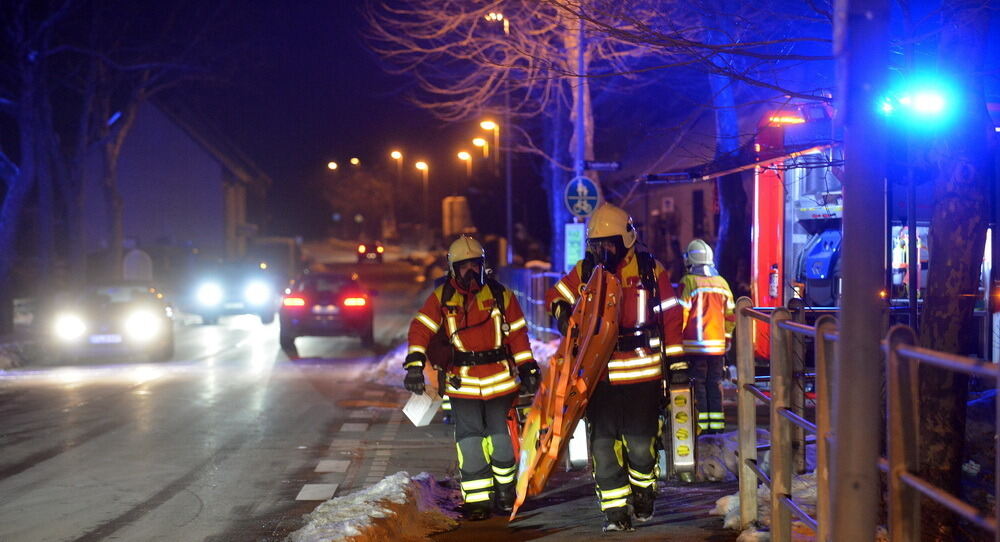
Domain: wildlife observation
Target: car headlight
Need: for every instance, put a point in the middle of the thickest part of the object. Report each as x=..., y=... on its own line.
x=257, y=293
x=209, y=294
x=142, y=325
x=69, y=327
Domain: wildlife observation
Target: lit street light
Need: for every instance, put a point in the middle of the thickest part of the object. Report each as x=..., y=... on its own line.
x=483, y=144
x=396, y=155
x=355, y=161
x=331, y=165
x=467, y=158
x=424, y=168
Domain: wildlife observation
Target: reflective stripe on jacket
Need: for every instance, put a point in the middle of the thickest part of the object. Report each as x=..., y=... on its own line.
x=473, y=323
x=709, y=316
x=640, y=364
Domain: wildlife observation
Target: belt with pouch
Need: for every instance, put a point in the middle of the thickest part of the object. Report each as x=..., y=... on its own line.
x=634, y=338
x=471, y=359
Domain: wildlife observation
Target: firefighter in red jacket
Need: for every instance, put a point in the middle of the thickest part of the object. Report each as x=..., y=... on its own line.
x=488, y=336
x=624, y=409
x=709, y=319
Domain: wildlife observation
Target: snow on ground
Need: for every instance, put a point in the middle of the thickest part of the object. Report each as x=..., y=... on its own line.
x=13, y=354
x=399, y=508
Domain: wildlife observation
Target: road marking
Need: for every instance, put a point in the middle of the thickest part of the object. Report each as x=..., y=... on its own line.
x=333, y=465
x=345, y=443
x=316, y=492
x=359, y=414
x=383, y=452
x=354, y=427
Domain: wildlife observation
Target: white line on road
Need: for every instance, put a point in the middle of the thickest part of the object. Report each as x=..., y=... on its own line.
x=333, y=465
x=316, y=492
x=359, y=414
x=354, y=427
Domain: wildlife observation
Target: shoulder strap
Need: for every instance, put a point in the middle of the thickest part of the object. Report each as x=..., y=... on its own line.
x=647, y=270
x=586, y=268
x=448, y=291
x=497, y=290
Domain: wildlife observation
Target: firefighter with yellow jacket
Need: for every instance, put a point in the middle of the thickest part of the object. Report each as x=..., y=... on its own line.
x=709, y=319
x=623, y=412
x=487, y=333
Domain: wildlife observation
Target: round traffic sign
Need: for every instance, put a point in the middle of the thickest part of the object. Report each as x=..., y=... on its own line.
x=581, y=196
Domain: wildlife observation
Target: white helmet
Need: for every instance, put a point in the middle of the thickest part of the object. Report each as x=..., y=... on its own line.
x=698, y=253
x=465, y=248
x=609, y=220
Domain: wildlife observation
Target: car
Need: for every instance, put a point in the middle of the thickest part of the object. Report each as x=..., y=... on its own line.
x=370, y=252
x=327, y=304
x=234, y=288
x=122, y=318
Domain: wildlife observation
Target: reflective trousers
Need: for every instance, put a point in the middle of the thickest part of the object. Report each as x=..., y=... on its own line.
x=485, y=452
x=624, y=423
x=706, y=371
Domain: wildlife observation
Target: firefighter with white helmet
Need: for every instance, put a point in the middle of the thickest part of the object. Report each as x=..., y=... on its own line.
x=623, y=412
x=484, y=337
x=709, y=319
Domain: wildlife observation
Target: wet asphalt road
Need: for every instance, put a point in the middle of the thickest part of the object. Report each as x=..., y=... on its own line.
x=216, y=444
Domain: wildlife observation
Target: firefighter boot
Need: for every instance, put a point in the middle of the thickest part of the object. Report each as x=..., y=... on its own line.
x=642, y=503
x=505, y=495
x=476, y=511
x=618, y=519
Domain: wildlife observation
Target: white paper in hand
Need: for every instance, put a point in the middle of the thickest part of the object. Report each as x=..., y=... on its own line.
x=420, y=409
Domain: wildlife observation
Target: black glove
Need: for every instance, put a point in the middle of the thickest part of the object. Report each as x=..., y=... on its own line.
x=531, y=375
x=414, y=380
x=562, y=311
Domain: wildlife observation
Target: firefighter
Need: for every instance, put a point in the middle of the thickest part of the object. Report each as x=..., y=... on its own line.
x=623, y=412
x=487, y=335
x=709, y=319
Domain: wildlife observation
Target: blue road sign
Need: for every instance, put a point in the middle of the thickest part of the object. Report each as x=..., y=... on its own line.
x=581, y=196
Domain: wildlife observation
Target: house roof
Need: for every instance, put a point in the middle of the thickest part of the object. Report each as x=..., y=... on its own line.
x=216, y=143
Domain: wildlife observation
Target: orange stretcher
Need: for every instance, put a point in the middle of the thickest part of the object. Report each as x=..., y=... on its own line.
x=574, y=371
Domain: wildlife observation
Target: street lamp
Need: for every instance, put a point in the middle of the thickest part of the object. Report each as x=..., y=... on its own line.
x=483, y=144
x=331, y=165
x=424, y=168
x=467, y=158
x=396, y=155
x=355, y=161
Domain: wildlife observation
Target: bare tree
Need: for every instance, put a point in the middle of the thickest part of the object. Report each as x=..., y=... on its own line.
x=468, y=61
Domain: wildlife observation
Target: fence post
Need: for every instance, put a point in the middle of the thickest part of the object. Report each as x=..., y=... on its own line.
x=902, y=436
x=781, y=434
x=797, y=348
x=746, y=413
x=825, y=360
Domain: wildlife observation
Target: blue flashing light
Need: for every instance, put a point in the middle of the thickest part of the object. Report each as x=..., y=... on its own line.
x=921, y=104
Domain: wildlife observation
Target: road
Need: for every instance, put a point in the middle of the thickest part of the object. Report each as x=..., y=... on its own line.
x=232, y=440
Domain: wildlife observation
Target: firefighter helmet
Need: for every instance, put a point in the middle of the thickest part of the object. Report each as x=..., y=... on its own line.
x=698, y=253
x=609, y=220
x=465, y=248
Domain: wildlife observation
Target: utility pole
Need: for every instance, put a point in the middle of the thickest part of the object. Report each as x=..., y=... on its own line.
x=861, y=29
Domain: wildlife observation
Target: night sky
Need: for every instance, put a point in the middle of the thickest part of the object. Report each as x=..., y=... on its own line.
x=307, y=91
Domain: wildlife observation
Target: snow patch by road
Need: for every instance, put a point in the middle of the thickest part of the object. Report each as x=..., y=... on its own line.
x=399, y=508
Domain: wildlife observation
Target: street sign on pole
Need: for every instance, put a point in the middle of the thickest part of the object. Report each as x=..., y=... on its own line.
x=575, y=244
x=581, y=196
x=665, y=178
x=602, y=166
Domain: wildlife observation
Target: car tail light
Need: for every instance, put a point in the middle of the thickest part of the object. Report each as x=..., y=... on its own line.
x=355, y=302
x=361, y=249
x=380, y=250
x=293, y=301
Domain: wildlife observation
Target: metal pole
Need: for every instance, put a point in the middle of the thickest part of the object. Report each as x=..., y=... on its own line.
x=580, y=126
x=903, y=442
x=861, y=47
x=912, y=240
x=825, y=360
x=746, y=414
x=781, y=433
x=508, y=182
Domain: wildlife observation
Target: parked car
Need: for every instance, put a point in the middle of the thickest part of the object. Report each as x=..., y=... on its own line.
x=370, y=252
x=234, y=288
x=126, y=318
x=327, y=304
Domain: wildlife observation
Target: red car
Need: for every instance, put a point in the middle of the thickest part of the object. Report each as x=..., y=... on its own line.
x=327, y=305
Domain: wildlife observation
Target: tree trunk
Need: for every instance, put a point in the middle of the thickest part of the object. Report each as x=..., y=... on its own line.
x=733, y=244
x=957, y=238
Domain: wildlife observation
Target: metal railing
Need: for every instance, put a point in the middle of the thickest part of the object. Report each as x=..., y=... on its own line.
x=530, y=286
x=905, y=487
x=786, y=415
